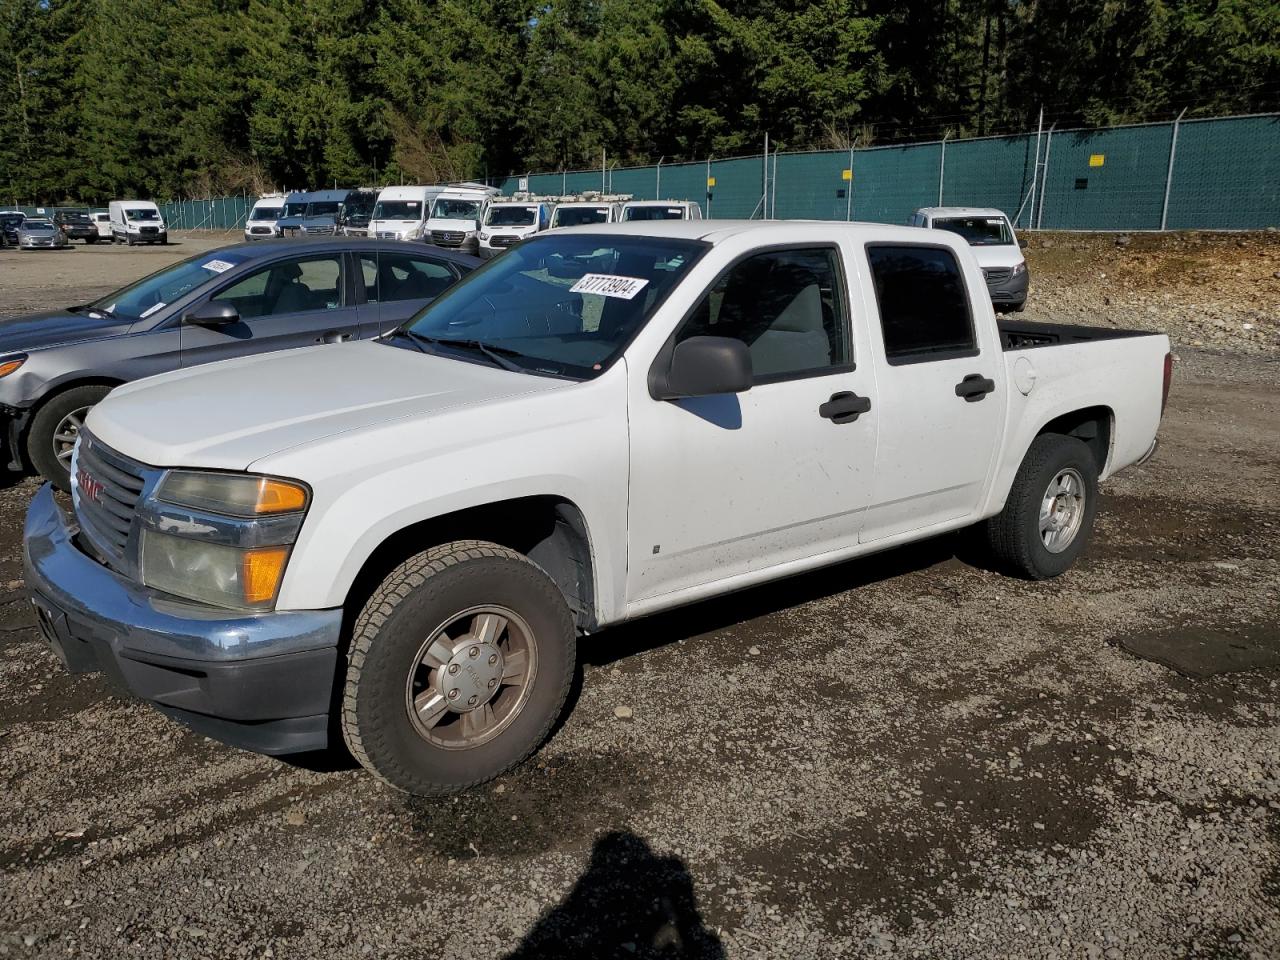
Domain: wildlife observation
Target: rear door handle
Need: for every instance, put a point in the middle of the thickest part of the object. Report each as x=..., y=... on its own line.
x=333, y=336
x=844, y=407
x=974, y=387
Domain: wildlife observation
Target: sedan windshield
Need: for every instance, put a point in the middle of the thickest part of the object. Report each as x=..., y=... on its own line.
x=398, y=210
x=978, y=231
x=40, y=225
x=579, y=216
x=152, y=293
x=511, y=216
x=561, y=305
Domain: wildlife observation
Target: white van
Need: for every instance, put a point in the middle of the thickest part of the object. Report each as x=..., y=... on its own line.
x=401, y=212
x=102, y=220
x=136, y=221
x=995, y=246
x=262, y=221
x=507, y=222
x=661, y=210
x=579, y=213
x=456, y=214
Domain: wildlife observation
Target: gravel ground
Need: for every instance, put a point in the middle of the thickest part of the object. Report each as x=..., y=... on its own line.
x=903, y=756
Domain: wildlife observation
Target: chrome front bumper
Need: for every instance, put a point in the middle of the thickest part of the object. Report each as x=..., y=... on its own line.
x=261, y=681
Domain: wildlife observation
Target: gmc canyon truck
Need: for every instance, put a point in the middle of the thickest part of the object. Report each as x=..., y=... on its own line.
x=397, y=543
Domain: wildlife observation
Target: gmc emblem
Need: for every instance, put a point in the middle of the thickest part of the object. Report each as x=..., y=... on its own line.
x=89, y=486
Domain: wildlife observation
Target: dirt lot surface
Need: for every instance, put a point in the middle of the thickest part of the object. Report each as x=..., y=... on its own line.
x=902, y=756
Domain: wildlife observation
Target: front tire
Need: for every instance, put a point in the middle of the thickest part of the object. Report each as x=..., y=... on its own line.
x=459, y=665
x=54, y=429
x=1048, y=517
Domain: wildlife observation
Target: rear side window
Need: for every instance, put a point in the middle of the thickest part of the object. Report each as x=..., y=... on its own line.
x=924, y=309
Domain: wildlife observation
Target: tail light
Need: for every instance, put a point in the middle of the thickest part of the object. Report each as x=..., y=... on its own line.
x=1168, y=379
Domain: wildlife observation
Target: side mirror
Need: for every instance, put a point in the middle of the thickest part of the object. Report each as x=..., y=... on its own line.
x=1022, y=242
x=703, y=367
x=215, y=313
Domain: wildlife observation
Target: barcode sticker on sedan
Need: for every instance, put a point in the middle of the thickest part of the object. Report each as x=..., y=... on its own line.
x=218, y=266
x=608, y=285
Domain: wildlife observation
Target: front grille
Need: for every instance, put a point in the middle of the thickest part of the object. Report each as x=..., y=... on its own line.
x=105, y=489
x=447, y=238
x=997, y=274
x=149, y=230
x=503, y=241
x=388, y=235
x=323, y=231
x=260, y=231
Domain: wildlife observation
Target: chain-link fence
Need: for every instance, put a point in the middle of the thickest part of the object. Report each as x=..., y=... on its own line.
x=1194, y=174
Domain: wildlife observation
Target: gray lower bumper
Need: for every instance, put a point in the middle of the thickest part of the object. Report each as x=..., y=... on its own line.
x=1011, y=292
x=264, y=682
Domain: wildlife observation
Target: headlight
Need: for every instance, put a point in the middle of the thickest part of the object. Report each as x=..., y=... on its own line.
x=483, y=235
x=221, y=538
x=1018, y=269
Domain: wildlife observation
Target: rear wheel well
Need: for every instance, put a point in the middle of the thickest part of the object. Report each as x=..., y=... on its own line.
x=549, y=530
x=1092, y=425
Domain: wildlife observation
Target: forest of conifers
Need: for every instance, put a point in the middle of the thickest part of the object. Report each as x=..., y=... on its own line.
x=107, y=98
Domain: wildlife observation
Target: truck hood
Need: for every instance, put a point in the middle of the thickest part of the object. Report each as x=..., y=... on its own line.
x=228, y=415
x=39, y=330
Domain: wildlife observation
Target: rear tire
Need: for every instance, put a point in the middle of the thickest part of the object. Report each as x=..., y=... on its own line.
x=449, y=618
x=1048, y=517
x=53, y=428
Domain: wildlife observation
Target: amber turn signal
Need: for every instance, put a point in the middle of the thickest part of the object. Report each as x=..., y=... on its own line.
x=260, y=573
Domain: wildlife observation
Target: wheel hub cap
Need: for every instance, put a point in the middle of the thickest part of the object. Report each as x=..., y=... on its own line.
x=471, y=677
x=1062, y=510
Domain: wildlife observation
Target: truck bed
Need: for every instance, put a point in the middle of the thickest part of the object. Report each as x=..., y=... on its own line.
x=1024, y=334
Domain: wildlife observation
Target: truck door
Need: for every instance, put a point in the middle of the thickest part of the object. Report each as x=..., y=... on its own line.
x=940, y=390
x=724, y=485
x=295, y=302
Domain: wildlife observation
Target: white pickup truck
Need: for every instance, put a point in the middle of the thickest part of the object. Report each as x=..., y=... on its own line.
x=398, y=543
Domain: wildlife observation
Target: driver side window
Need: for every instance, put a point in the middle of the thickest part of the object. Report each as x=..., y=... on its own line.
x=289, y=286
x=787, y=306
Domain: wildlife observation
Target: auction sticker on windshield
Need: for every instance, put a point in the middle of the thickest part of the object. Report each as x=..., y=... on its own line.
x=608, y=285
x=218, y=266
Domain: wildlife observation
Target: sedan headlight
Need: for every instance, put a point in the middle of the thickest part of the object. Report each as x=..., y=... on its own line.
x=221, y=538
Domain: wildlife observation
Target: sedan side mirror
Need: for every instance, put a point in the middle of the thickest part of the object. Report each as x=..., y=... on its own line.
x=1022, y=242
x=703, y=367
x=215, y=313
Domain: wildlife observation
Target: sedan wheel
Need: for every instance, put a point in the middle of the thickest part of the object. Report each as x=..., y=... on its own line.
x=67, y=432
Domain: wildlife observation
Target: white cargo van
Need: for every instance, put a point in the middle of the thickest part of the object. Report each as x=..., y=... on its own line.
x=264, y=217
x=661, y=210
x=995, y=246
x=401, y=212
x=507, y=222
x=456, y=214
x=580, y=213
x=136, y=221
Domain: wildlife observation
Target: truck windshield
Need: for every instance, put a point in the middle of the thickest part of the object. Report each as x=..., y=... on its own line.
x=267, y=213
x=324, y=209
x=151, y=293
x=447, y=209
x=978, y=231
x=579, y=216
x=139, y=213
x=397, y=210
x=511, y=216
x=653, y=213
x=561, y=305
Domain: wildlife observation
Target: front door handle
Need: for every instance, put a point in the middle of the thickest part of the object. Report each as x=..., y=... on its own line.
x=844, y=407
x=333, y=336
x=974, y=387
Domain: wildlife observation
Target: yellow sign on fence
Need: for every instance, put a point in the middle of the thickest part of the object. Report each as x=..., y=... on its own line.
x=846, y=174
x=711, y=182
x=1097, y=159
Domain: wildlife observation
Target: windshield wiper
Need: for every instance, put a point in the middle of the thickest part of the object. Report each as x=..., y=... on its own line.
x=493, y=353
x=90, y=308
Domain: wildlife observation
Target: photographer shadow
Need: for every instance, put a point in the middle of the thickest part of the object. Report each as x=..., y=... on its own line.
x=629, y=903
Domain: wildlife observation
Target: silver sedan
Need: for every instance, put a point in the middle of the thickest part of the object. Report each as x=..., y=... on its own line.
x=37, y=234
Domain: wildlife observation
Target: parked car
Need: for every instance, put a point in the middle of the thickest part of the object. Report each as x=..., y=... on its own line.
x=995, y=245
x=603, y=423
x=36, y=233
x=102, y=223
x=136, y=221
x=263, y=220
x=357, y=211
x=456, y=214
x=244, y=299
x=507, y=222
x=581, y=213
x=76, y=224
x=401, y=212
x=661, y=210
x=9, y=222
